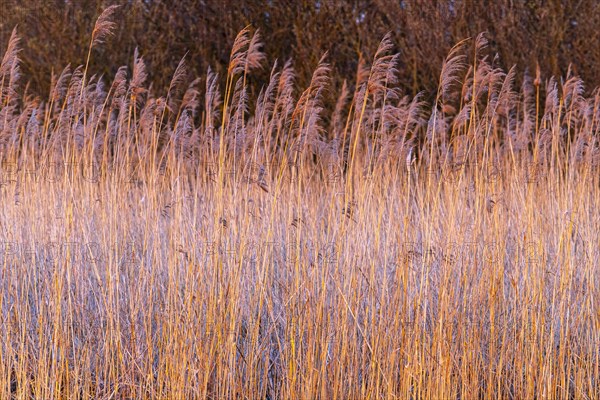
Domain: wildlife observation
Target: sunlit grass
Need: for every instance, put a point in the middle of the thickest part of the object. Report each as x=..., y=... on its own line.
x=187, y=246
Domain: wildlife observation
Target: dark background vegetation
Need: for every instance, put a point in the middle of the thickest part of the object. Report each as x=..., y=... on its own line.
x=553, y=33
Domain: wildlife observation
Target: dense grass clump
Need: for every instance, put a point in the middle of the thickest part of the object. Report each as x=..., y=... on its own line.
x=206, y=244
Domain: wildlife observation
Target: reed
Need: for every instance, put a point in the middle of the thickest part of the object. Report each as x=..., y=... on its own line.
x=203, y=243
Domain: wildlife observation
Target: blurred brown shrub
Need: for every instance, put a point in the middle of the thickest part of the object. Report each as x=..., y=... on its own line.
x=554, y=33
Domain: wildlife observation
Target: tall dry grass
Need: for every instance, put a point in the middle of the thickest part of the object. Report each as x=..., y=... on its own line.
x=193, y=246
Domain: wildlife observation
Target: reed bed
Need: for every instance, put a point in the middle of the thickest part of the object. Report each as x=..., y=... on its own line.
x=208, y=243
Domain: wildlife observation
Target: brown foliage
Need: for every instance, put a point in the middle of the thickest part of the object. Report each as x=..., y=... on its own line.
x=553, y=34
